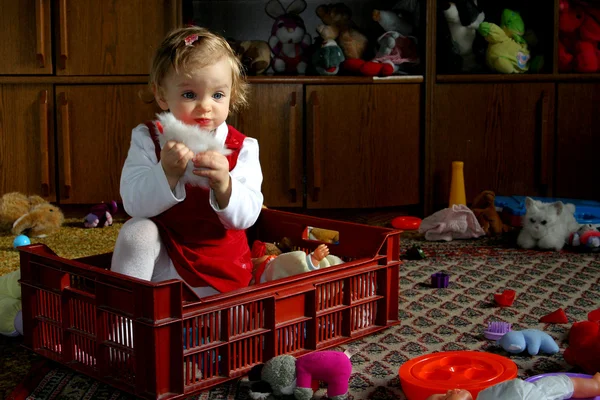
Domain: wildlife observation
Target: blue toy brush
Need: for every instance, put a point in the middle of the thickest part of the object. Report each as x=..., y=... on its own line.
x=496, y=329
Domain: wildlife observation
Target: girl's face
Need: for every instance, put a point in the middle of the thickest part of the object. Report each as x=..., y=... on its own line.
x=202, y=98
x=454, y=394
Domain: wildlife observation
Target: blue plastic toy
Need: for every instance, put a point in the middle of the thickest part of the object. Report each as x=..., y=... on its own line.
x=21, y=240
x=532, y=340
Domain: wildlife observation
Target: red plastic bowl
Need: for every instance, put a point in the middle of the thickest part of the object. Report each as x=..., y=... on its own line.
x=406, y=223
x=435, y=373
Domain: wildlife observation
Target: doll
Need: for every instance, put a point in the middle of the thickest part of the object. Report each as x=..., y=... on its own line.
x=555, y=387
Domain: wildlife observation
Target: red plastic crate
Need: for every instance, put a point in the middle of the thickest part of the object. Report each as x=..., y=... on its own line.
x=158, y=340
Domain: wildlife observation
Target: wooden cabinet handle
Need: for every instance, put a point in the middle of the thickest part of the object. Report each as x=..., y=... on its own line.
x=292, y=151
x=64, y=51
x=40, y=27
x=66, y=141
x=316, y=146
x=45, y=159
x=544, y=117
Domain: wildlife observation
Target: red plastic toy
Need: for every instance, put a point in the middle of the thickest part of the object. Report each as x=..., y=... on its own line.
x=584, y=346
x=439, y=372
x=506, y=298
x=556, y=317
x=406, y=223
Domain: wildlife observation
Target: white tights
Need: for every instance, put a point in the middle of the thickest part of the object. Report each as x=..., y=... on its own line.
x=139, y=252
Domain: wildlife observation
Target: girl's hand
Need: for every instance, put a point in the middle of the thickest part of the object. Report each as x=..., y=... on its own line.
x=174, y=157
x=215, y=167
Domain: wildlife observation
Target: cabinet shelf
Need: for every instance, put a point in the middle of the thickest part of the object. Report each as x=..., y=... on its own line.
x=480, y=78
x=320, y=80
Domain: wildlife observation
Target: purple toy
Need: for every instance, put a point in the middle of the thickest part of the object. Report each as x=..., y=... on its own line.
x=100, y=215
x=497, y=329
x=440, y=280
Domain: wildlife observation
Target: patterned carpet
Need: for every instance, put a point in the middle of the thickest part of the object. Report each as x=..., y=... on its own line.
x=432, y=319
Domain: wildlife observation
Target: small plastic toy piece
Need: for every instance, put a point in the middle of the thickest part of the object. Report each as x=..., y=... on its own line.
x=532, y=340
x=556, y=317
x=415, y=253
x=594, y=315
x=440, y=280
x=457, y=185
x=497, y=329
x=506, y=298
x=21, y=240
x=406, y=223
x=439, y=372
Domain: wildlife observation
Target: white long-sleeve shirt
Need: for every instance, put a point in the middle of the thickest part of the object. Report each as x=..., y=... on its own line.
x=146, y=192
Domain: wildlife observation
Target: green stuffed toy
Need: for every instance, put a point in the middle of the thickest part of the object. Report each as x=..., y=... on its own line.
x=507, y=51
x=11, y=322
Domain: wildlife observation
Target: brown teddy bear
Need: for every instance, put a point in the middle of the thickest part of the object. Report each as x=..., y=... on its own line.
x=349, y=38
x=20, y=213
x=485, y=211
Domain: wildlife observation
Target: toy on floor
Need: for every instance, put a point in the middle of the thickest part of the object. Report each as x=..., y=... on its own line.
x=29, y=214
x=506, y=298
x=21, y=240
x=587, y=237
x=406, y=223
x=456, y=222
x=547, y=225
x=286, y=375
x=11, y=320
x=549, y=387
x=555, y=317
x=289, y=40
x=457, y=185
x=471, y=371
x=584, y=346
x=532, y=340
x=440, y=280
x=101, y=215
x=485, y=211
x=497, y=329
x=507, y=51
x=415, y=253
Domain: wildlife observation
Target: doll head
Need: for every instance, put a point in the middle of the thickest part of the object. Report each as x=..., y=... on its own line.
x=187, y=48
x=453, y=394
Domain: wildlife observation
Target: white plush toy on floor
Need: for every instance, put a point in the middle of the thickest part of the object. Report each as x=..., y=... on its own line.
x=195, y=138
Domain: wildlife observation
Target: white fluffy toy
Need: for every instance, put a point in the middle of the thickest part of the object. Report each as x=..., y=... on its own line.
x=195, y=138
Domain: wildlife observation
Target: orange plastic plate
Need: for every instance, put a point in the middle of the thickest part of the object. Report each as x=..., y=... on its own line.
x=439, y=372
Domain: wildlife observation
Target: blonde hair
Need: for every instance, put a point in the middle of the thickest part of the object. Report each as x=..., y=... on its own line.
x=181, y=51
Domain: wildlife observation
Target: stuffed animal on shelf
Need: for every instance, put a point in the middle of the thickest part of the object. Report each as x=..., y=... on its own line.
x=255, y=55
x=289, y=40
x=532, y=340
x=507, y=51
x=350, y=39
x=100, y=215
x=286, y=375
x=326, y=59
x=31, y=214
x=485, y=211
x=578, y=37
x=463, y=18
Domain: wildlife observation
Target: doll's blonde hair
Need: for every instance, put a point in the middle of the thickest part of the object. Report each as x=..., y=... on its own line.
x=184, y=49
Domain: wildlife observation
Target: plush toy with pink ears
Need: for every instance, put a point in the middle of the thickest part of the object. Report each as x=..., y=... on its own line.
x=286, y=375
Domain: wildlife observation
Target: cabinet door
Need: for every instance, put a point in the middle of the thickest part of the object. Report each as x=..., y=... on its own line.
x=26, y=42
x=578, y=141
x=502, y=133
x=27, y=140
x=274, y=118
x=118, y=37
x=94, y=125
x=362, y=145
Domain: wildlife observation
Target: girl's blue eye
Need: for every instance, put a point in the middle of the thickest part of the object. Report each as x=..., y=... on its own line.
x=218, y=96
x=189, y=95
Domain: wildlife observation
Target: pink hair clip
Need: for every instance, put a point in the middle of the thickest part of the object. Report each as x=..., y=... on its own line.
x=190, y=39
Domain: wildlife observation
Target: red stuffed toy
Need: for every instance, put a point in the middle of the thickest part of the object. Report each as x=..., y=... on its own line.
x=579, y=37
x=584, y=345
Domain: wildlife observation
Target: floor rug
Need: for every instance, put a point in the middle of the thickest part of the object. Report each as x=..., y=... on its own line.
x=435, y=319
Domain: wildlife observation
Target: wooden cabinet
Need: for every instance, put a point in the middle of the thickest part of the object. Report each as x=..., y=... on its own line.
x=502, y=132
x=578, y=141
x=27, y=139
x=26, y=31
x=360, y=143
x=94, y=132
x=98, y=37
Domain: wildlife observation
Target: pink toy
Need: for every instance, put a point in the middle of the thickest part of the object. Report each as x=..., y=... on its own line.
x=289, y=39
x=286, y=375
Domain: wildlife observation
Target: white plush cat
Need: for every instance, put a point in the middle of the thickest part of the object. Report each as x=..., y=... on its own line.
x=195, y=138
x=547, y=225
